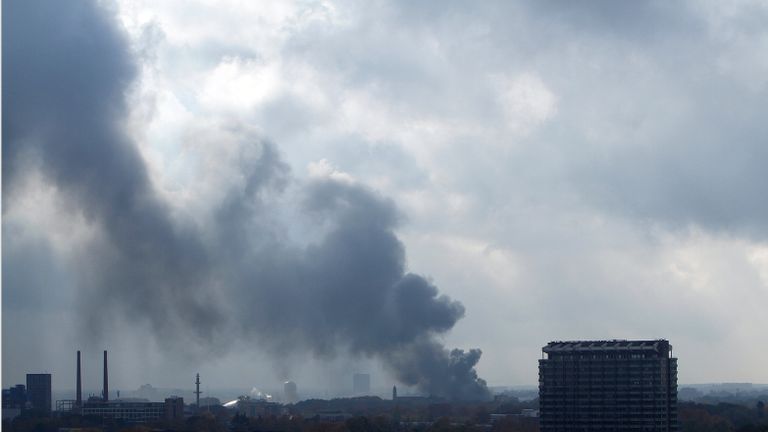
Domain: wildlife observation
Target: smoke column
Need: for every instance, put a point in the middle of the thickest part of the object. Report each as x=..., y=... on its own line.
x=67, y=70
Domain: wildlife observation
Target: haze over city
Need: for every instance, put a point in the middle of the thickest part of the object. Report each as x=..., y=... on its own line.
x=427, y=193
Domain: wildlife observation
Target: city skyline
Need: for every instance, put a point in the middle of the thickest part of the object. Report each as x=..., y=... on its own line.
x=264, y=192
x=339, y=388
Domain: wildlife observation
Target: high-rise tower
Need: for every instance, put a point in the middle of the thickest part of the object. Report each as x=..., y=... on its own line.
x=290, y=392
x=39, y=391
x=614, y=385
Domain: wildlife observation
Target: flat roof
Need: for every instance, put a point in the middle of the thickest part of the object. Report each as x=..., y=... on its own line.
x=607, y=345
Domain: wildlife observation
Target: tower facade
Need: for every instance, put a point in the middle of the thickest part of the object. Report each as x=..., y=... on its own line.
x=290, y=392
x=174, y=408
x=614, y=385
x=39, y=391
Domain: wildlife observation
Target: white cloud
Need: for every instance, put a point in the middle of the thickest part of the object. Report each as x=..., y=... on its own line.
x=527, y=102
x=237, y=85
x=324, y=169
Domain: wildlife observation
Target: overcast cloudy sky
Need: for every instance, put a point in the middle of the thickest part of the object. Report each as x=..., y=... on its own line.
x=565, y=170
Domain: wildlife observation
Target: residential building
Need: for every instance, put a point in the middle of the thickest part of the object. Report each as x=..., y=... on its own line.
x=612, y=385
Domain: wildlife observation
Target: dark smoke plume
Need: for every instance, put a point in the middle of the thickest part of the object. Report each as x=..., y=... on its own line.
x=66, y=72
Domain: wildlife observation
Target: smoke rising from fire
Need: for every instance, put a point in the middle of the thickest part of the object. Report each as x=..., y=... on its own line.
x=66, y=75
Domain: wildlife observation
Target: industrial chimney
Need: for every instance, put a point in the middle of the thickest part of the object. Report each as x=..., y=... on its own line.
x=79, y=402
x=106, y=379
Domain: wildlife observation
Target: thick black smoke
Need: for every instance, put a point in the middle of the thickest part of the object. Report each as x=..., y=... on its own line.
x=66, y=71
x=65, y=75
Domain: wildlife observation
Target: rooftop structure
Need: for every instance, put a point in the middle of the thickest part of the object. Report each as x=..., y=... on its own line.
x=607, y=345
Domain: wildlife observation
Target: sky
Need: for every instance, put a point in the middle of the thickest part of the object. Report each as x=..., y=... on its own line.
x=188, y=184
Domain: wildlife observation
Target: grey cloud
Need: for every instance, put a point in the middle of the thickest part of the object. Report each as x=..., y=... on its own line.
x=627, y=21
x=658, y=121
x=69, y=71
x=428, y=362
x=31, y=269
x=350, y=289
x=659, y=128
x=680, y=138
x=692, y=151
x=64, y=105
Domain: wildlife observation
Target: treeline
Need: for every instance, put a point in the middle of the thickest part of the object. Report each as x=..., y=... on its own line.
x=284, y=423
x=365, y=414
x=722, y=417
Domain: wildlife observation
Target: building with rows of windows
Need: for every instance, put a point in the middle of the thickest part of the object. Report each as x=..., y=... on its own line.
x=613, y=385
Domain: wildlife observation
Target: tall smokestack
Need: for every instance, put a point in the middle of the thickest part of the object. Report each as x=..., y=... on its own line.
x=79, y=402
x=106, y=379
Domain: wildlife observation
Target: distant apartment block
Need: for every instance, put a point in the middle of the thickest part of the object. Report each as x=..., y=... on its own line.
x=14, y=401
x=174, y=408
x=614, y=385
x=15, y=397
x=39, y=391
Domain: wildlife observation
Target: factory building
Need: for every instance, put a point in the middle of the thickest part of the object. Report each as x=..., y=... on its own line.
x=133, y=412
x=39, y=391
x=122, y=410
x=248, y=407
x=613, y=385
